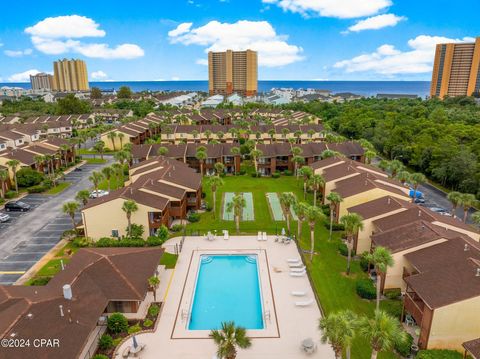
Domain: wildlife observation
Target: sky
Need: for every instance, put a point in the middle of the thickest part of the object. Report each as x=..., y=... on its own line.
x=295, y=39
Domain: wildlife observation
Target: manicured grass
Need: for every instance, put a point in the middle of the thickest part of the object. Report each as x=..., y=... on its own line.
x=114, y=184
x=84, y=151
x=336, y=291
x=169, y=260
x=58, y=188
x=95, y=160
x=52, y=267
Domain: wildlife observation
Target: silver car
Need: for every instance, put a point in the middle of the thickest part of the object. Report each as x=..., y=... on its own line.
x=4, y=217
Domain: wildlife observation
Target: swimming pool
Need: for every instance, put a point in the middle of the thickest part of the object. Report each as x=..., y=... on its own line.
x=227, y=289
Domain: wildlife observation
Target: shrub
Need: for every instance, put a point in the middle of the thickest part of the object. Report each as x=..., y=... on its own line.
x=153, y=241
x=117, y=323
x=365, y=288
x=254, y=174
x=40, y=281
x=404, y=347
x=117, y=341
x=81, y=242
x=393, y=293
x=203, y=195
x=242, y=172
x=36, y=189
x=162, y=232
x=177, y=228
x=193, y=217
x=276, y=175
x=10, y=194
x=153, y=310
x=111, y=242
x=287, y=173
x=364, y=263
x=134, y=329
x=147, y=323
x=439, y=354
x=48, y=183
x=343, y=249
x=137, y=231
x=100, y=356
x=392, y=307
x=27, y=177
x=208, y=207
x=105, y=342
x=335, y=226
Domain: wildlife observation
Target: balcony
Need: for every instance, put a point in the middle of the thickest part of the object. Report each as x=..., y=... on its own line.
x=192, y=201
x=415, y=306
x=155, y=219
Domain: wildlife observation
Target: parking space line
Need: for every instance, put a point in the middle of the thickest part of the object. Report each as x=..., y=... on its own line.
x=12, y=272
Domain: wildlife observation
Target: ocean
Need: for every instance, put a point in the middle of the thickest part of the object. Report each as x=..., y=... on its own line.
x=364, y=88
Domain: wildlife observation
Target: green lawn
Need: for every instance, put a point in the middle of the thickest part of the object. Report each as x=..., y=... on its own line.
x=58, y=188
x=169, y=260
x=95, y=160
x=114, y=184
x=335, y=289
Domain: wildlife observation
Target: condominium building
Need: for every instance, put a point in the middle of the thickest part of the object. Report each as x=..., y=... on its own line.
x=41, y=81
x=456, y=71
x=70, y=75
x=233, y=72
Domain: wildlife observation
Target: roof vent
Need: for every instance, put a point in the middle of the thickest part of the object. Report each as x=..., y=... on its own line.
x=466, y=247
x=389, y=200
x=67, y=292
x=61, y=310
x=423, y=226
x=419, y=213
x=366, y=183
x=478, y=273
x=29, y=316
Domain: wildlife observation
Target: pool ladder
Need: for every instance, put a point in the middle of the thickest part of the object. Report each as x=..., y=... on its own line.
x=185, y=315
x=266, y=315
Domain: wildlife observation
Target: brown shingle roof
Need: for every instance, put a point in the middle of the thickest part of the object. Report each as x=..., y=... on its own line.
x=377, y=207
x=473, y=347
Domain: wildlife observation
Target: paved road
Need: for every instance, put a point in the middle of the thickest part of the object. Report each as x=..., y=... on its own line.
x=28, y=236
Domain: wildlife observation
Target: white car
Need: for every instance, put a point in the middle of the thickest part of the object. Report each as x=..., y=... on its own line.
x=4, y=217
x=99, y=193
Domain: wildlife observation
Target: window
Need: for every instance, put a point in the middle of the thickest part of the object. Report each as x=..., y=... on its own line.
x=115, y=233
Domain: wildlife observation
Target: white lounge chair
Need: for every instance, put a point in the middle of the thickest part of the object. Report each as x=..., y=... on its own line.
x=259, y=236
x=291, y=260
x=305, y=303
x=295, y=265
x=298, y=270
x=297, y=274
x=264, y=236
x=298, y=293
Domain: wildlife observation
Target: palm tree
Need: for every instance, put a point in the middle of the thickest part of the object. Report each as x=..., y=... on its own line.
x=83, y=196
x=162, y=151
x=208, y=134
x=381, y=258
x=297, y=159
x=271, y=133
x=236, y=205
x=13, y=165
x=416, y=179
x=121, y=136
x=3, y=180
x=107, y=173
x=334, y=200
x=467, y=200
x=301, y=210
x=476, y=218
x=327, y=154
x=382, y=331
x=70, y=208
x=338, y=329
x=394, y=167
x=403, y=176
x=219, y=168
x=370, y=155
x=316, y=182
x=235, y=151
x=456, y=199
x=111, y=136
x=129, y=207
x=64, y=150
x=96, y=178
x=383, y=165
x=255, y=155
x=287, y=200
x=153, y=283
x=352, y=222
x=201, y=156
x=118, y=172
x=228, y=339
x=214, y=183
x=313, y=215
x=220, y=135
x=39, y=160
x=306, y=172
x=100, y=148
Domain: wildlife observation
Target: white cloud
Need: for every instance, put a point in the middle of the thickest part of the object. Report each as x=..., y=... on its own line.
x=273, y=49
x=59, y=35
x=387, y=60
x=18, y=53
x=23, y=76
x=203, y=62
x=99, y=76
x=344, y=9
x=180, y=29
x=376, y=22
x=175, y=78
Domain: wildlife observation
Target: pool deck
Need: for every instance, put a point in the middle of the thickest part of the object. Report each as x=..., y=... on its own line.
x=288, y=324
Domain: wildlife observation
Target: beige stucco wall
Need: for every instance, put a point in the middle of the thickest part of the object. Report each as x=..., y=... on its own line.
x=454, y=324
x=3, y=162
x=108, y=142
x=100, y=220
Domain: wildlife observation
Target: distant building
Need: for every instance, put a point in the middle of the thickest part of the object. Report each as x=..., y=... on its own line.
x=41, y=81
x=233, y=71
x=396, y=96
x=70, y=75
x=213, y=101
x=235, y=99
x=456, y=71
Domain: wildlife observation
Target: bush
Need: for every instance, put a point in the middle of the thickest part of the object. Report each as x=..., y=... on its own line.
x=335, y=226
x=10, y=194
x=177, y=228
x=111, y=242
x=254, y=174
x=81, y=242
x=439, y=354
x=392, y=307
x=276, y=175
x=40, y=281
x=365, y=288
x=343, y=249
x=117, y=341
x=242, y=172
x=37, y=189
x=137, y=231
x=105, y=342
x=162, y=232
x=27, y=177
x=134, y=329
x=153, y=241
x=117, y=323
x=287, y=173
x=364, y=263
x=393, y=293
x=193, y=217
x=147, y=323
x=100, y=356
x=208, y=207
x=404, y=348
x=153, y=310
x=203, y=195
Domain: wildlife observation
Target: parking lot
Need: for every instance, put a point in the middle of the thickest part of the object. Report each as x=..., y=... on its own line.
x=28, y=236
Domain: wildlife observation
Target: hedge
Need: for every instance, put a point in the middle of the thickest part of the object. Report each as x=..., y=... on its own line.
x=335, y=226
x=343, y=249
x=27, y=177
x=193, y=217
x=404, y=348
x=365, y=288
x=439, y=354
x=392, y=293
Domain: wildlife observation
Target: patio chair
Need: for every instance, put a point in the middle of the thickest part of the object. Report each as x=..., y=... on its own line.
x=292, y=260
x=409, y=320
x=304, y=303
x=295, y=265
x=297, y=274
x=308, y=346
x=126, y=352
x=259, y=236
x=298, y=293
x=264, y=236
x=298, y=270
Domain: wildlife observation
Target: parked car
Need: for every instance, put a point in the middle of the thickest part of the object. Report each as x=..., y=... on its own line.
x=99, y=193
x=77, y=169
x=419, y=200
x=17, y=206
x=4, y=217
x=441, y=211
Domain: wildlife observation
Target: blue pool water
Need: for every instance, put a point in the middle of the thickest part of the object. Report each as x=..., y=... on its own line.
x=227, y=289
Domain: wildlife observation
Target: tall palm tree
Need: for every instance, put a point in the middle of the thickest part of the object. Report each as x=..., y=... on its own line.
x=129, y=207
x=271, y=134
x=394, y=167
x=334, y=200
x=83, y=196
x=403, y=176
x=287, y=200
x=255, y=155
x=39, y=161
x=456, y=199
x=219, y=168
x=235, y=151
x=111, y=136
x=100, y=148
x=118, y=172
x=214, y=183
x=64, y=151
x=13, y=165
x=370, y=155
x=476, y=218
x=153, y=283
x=306, y=172
x=316, y=182
x=381, y=258
x=3, y=181
x=297, y=159
x=416, y=179
x=467, y=200
x=236, y=206
x=228, y=339
x=313, y=215
x=70, y=208
x=107, y=173
x=162, y=151
x=382, y=331
x=95, y=178
x=352, y=222
x=121, y=136
x=327, y=154
x=201, y=156
x=338, y=329
x=301, y=211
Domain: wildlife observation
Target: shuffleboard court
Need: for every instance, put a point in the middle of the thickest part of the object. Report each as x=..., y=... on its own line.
x=247, y=213
x=227, y=198
x=275, y=206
